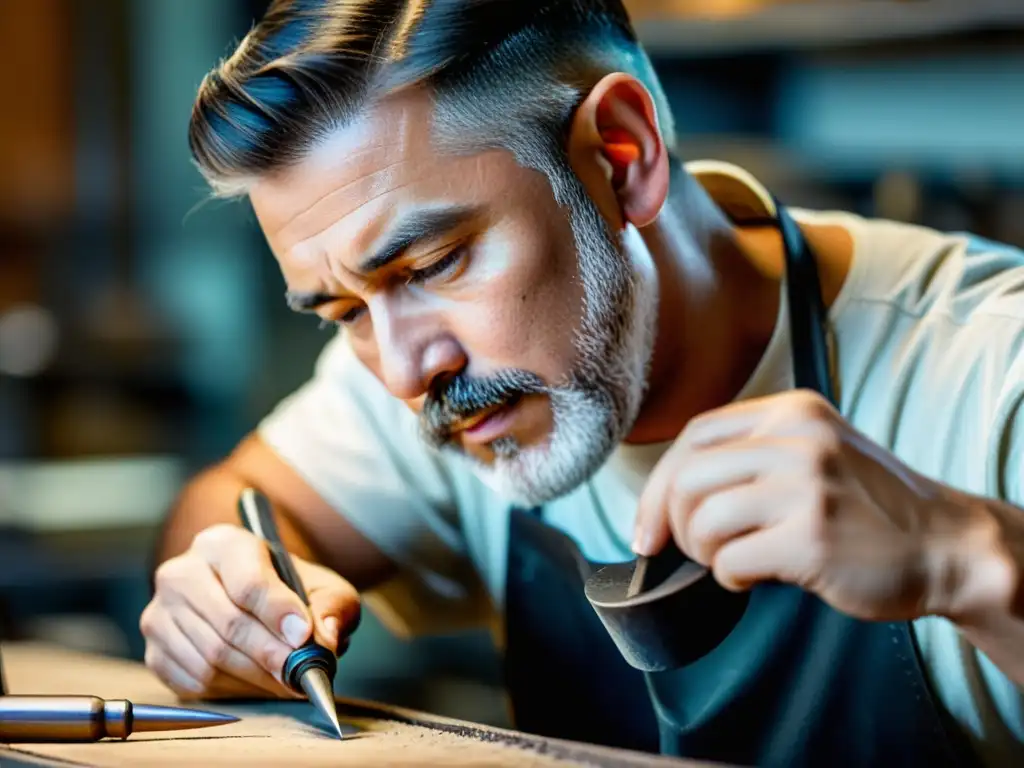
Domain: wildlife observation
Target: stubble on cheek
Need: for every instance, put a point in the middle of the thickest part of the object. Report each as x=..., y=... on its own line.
x=535, y=302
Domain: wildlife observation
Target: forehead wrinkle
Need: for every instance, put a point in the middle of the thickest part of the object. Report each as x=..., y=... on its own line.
x=297, y=218
x=359, y=238
x=311, y=157
x=399, y=119
x=338, y=218
x=393, y=139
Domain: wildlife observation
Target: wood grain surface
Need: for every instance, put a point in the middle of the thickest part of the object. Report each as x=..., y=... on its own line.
x=276, y=733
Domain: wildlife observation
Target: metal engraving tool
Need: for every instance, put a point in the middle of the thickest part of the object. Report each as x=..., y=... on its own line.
x=37, y=718
x=33, y=718
x=309, y=669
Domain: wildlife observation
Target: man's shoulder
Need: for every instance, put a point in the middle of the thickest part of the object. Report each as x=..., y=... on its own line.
x=342, y=378
x=339, y=368
x=338, y=361
x=343, y=397
x=923, y=271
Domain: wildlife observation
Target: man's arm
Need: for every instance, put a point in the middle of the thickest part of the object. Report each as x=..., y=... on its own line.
x=987, y=584
x=310, y=528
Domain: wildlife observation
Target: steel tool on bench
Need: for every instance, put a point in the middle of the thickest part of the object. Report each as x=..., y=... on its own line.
x=33, y=718
x=36, y=718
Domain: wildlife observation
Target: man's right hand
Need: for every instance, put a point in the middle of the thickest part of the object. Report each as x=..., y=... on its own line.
x=221, y=623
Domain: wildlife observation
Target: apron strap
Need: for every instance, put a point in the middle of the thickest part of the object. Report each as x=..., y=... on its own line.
x=807, y=317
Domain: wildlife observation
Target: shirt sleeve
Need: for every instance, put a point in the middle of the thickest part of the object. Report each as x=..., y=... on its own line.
x=1002, y=695
x=1005, y=458
x=981, y=697
x=358, y=448
x=995, y=691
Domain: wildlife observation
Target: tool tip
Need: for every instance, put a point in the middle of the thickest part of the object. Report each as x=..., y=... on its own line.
x=148, y=717
x=318, y=688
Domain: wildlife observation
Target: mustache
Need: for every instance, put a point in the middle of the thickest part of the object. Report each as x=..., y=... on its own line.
x=463, y=396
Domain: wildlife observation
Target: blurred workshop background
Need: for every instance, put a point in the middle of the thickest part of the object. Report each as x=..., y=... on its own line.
x=143, y=332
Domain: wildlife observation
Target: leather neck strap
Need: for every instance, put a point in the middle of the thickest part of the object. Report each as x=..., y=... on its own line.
x=807, y=317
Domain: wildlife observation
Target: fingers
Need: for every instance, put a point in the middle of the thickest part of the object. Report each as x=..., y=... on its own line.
x=205, y=628
x=730, y=422
x=223, y=623
x=188, y=639
x=170, y=672
x=235, y=628
x=684, y=477
x=210, y=652
x=782, y=411
x=651, y=529
x=180, y=654
x=335, y=606
x=184, y=668
x=722, y=516
x=761, y=556
x=243, y=565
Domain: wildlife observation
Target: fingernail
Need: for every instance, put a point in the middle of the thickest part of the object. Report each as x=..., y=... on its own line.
x=642, y=544
x=295, y=630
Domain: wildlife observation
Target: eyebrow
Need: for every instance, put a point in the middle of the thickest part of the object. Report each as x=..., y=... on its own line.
x=417, y=227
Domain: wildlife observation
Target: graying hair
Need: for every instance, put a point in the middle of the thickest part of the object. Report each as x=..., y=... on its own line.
x=505, y=74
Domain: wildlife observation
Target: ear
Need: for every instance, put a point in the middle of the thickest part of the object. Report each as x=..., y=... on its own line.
x=615, y=140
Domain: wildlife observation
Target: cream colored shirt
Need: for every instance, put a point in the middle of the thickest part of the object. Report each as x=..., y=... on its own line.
x=928, y=330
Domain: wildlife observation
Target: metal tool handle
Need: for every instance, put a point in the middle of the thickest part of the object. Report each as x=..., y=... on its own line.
x=257, y=516
x=63, y=718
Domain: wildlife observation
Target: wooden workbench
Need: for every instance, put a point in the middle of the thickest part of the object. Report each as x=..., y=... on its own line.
x=272, y=733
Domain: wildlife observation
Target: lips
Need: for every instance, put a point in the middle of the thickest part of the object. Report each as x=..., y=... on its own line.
x=480, y=417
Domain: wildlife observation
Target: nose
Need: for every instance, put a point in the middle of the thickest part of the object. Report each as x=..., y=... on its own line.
x=413, y=358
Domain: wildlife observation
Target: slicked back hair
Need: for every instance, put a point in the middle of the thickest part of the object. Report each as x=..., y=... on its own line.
x=502, y=74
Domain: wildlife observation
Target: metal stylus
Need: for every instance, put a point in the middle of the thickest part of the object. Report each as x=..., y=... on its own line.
x=31, y=718
x=90, y=718
x=310, y=668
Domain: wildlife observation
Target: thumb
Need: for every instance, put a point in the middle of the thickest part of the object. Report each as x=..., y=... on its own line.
x=652, y=527
x=245, y=570
x=281, y=609
x=334, y=604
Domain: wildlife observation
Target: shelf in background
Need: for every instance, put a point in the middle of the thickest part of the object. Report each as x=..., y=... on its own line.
x=715, y=27
x=88, y=494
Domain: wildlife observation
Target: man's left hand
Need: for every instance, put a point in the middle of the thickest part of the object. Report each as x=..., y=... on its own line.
x=782, y=488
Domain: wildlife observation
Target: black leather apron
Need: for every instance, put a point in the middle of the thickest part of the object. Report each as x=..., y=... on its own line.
x=795, y=684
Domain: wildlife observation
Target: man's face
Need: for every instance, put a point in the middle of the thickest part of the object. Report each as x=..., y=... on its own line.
x=519, y=331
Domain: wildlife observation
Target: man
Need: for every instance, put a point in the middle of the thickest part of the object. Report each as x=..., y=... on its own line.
x=542, y=312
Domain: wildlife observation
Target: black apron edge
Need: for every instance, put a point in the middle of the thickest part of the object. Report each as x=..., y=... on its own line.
x=956, y=742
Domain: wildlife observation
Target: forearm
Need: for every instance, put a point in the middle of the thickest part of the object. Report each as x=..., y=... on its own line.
x=988, y=606
x=1000, y=636
x=210, y=499
x=310, y=527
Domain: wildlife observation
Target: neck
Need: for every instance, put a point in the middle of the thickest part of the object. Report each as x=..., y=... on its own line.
x=717, y=307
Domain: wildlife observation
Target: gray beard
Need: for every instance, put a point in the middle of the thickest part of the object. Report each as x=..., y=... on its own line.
x=597, y=405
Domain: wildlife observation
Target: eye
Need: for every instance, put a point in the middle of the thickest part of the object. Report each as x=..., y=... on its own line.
x=440, y=268
x=347, y=319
